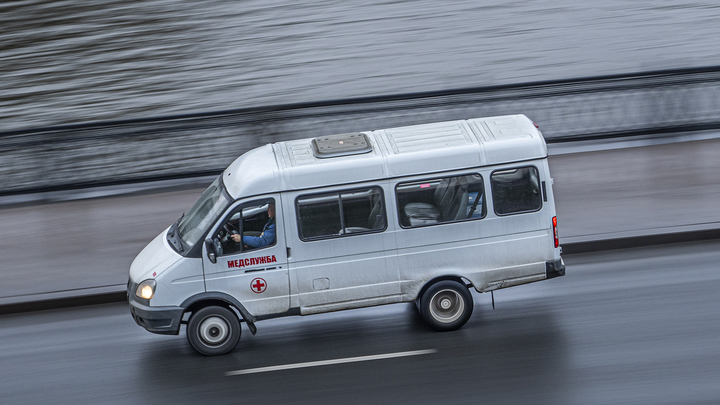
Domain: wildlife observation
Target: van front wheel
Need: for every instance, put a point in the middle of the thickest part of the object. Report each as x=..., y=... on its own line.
x=213, y=330
x=446, y=305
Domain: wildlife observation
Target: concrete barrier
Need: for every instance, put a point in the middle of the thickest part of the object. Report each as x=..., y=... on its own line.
x=163, y=148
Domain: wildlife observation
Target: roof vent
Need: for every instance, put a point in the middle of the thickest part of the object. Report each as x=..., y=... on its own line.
x=330, y=146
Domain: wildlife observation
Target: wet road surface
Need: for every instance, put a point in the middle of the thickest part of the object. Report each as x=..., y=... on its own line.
x=633, y=326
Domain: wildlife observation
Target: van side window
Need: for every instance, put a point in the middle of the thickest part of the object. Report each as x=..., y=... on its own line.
x=340, y=213
x=253, y=222
x=442, y=200
x=516, y=190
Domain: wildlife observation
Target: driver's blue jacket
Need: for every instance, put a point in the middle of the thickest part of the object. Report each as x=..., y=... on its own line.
x=267, y=237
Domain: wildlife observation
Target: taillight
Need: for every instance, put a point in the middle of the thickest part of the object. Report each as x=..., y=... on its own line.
x=557, y=241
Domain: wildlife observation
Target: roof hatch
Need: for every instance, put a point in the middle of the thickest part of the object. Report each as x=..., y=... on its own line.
x=330, y=146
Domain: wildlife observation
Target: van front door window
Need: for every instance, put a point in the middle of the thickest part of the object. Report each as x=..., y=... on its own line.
x=248, y=227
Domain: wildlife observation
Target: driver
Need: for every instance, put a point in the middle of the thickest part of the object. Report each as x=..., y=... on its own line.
x=267, y=237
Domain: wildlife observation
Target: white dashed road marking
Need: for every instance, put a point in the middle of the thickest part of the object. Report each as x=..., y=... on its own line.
x=330, y=362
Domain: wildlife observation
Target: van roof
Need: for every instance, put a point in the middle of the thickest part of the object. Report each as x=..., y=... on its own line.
x=394, y=152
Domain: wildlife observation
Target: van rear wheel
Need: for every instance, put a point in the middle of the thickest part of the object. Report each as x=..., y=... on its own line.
x=213, y=330
x=446, y=305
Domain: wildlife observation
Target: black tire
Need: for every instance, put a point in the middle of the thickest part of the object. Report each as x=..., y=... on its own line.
x=446, y=305
x=213, y=331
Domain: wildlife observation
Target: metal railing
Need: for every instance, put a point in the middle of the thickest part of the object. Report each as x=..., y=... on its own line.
x=76, y=156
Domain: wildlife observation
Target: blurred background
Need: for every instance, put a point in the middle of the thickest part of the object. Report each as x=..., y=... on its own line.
x=71, y=62
x=115, y=115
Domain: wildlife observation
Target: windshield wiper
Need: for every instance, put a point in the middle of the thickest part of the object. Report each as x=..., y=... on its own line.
x=173, y=228
x=176, y=240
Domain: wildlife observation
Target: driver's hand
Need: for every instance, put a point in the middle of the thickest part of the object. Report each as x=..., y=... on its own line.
x=236, y=238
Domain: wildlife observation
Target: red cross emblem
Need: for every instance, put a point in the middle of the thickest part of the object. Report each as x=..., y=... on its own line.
x=258, y=285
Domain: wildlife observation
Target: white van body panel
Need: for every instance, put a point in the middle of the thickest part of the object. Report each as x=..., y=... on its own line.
x=345, y=272
x=509, y=249
x=255, y=172
x=182, y=280
x=407, y=151
x=236, y=274
x=490, y=253
x=301, y=169
x=156, y=257
x=508, y=139
x=177, y=277
x=430, y=148
x=348, y=268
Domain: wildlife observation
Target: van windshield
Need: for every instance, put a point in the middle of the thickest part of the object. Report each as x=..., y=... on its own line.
x=204, y=213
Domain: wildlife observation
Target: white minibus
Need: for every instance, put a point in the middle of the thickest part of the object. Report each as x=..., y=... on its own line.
x=420, y=213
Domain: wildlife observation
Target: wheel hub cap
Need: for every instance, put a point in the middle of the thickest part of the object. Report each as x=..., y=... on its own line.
x=214, y=330
x=447, y=306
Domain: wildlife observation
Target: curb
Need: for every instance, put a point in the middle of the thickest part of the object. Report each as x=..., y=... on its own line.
x=60, y=303
x=568, y=249
x=640, y=241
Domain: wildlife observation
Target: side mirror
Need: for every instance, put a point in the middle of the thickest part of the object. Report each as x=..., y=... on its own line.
x=211, y=252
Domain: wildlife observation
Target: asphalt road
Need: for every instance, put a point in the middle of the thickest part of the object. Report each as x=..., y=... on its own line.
x=635, y=326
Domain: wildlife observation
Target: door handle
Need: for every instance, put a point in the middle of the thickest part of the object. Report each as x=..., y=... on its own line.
x=253, y=270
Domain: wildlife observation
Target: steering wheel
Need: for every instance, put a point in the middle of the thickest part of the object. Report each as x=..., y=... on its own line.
x=230, y=227
x=229, y=233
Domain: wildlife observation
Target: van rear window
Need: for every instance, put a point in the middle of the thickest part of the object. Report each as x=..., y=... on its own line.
x=516, y=190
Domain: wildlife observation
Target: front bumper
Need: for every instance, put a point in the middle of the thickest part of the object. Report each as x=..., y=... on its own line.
x=555, y=268
x=161, y=320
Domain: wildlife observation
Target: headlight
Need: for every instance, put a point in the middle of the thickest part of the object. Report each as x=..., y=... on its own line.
x=146, y=289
